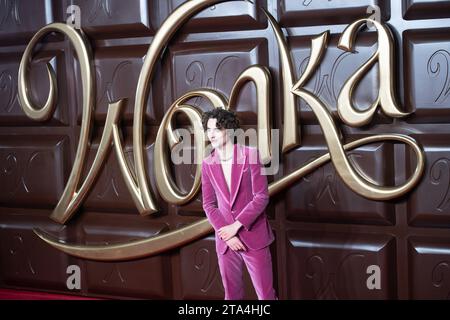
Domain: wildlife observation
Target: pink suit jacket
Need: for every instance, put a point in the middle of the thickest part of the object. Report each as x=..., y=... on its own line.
x=246, y=202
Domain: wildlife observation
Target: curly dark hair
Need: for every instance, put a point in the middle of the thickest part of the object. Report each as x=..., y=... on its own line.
x=226, y=119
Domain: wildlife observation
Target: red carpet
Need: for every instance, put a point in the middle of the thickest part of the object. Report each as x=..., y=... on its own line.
x=7, y=294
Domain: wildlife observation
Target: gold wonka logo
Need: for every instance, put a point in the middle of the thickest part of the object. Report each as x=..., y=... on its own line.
x=168, y=138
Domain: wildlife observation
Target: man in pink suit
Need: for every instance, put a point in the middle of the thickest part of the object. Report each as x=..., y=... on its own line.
x=235, y=195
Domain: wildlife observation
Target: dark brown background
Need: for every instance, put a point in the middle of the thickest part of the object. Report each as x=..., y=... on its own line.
x=326, y=235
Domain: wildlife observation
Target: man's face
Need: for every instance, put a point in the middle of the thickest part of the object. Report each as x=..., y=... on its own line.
x=218, y=137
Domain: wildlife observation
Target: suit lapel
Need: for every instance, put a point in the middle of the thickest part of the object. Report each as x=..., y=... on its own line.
x=237, y=169
x=218, y=176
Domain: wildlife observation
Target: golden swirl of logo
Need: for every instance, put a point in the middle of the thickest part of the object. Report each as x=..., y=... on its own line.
x=135, y=176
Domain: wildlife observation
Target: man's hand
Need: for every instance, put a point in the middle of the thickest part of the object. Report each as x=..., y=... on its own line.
x=235, y=244
x=229, y=231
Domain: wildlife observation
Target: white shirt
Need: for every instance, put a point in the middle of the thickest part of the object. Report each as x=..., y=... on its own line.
x=226, y=168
